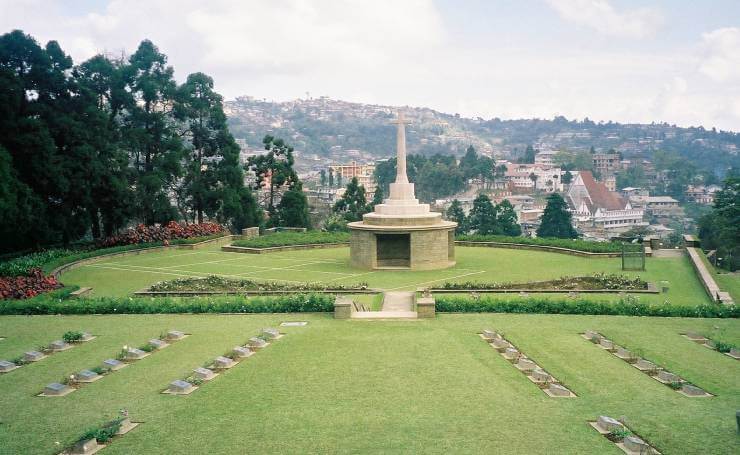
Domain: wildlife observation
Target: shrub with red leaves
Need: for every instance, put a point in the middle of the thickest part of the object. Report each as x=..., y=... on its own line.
x=159, y=233
x=23, y=287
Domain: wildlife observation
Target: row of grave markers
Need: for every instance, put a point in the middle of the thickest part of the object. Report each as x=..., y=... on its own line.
x=656, y=372
x=221, y=363
x=535, y=373
x=128, y=355
x=708, y=343
x=624, y=438
x=32, y=356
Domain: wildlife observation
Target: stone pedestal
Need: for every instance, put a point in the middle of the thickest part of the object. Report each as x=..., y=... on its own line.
x=425, y=307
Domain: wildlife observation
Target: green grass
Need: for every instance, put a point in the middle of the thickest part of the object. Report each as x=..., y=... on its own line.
x=121, y=276
x=428, y=386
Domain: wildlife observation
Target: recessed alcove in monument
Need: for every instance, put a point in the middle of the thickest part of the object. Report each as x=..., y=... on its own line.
x=393, y=250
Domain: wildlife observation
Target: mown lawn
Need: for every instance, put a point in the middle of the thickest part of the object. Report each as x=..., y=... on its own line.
x=124, y=275
x=352, y=386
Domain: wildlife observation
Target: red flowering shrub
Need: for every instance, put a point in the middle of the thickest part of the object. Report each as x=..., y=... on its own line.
x=23, y=287
x=159, y=233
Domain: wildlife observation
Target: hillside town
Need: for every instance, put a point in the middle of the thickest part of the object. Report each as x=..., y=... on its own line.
x=591, y=170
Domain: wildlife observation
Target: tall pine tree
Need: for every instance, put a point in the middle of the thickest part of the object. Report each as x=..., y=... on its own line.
x=556, y=220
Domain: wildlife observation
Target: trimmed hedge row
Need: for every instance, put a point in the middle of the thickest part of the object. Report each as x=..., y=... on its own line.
x=580, y=245
x=628, y=307
x=293, y=238
x=54, y=303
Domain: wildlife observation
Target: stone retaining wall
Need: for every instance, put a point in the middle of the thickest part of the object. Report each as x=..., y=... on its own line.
x=705, y=276
x=273, y=249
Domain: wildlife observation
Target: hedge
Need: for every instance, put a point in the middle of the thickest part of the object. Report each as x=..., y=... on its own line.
x=54, y=303
x=623, y=307
x=580, y=245
x=293, y=238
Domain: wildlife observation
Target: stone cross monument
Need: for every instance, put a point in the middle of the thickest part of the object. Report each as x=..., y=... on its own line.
x=401, y=232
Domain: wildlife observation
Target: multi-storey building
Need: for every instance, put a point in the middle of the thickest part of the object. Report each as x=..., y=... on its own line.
x=606, y=163
x=545, y=157
x=528, y=177
x=701, y=194
x=363, y=172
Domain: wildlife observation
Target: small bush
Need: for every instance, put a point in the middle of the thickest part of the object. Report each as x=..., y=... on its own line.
x=580, y=245
x=293, y=238
x=72, y=336
x=722, y=346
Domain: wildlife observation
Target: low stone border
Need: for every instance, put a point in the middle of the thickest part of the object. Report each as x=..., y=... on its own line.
x=80, y=379
x=35, y=356
x=709, y=343
x=273, y=249
x=220, y=364
x=147, y=293
x=551, y=249
x=624, y=438
x=651, y=369
x=549, y=385
x=706, y=279
x=652, y=289
x=205, y=243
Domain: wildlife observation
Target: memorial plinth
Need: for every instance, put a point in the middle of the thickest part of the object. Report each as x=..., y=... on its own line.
x=402, y=233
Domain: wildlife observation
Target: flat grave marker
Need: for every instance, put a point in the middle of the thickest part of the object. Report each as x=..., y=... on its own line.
x=223, y=363
x=114, y=364
x=59, y=345
x=87, y=376
x=158, y=344
x=56, y=389
x=204, y=374
x=241, y=352
x=7, y=367
x=174, y=335
x=180, y=387
x=257, y=343
x=33, y=356
x=293, y=324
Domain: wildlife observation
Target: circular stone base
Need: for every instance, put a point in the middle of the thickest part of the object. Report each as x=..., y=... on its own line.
x=400, y=243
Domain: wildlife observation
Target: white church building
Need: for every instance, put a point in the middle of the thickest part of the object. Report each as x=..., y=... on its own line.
x=594, y=206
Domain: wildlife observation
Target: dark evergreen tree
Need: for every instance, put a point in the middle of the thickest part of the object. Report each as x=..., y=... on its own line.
x=529, y=154
x=482, y=218
x=377, y=198
x=456, y=213
x=556, y=220
x=292, y=211
x=469, y=164
x=506, y=219
x=353, y=204
x=567, y=177
x=275, y=167
x=720, y=229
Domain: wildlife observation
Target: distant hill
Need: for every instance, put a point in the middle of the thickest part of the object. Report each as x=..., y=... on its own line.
x=342, y=131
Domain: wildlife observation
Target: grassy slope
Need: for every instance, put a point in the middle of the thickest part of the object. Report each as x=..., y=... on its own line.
x=331, y=264
x=347, y=386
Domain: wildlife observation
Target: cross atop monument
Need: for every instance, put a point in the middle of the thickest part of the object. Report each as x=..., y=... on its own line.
x=401, y=123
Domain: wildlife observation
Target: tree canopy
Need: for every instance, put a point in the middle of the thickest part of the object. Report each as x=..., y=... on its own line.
x=556, y=219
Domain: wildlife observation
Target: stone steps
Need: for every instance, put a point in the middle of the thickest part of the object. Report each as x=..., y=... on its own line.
x=384, y=315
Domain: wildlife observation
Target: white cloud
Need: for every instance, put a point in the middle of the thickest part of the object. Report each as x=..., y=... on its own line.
x=407, y=53
x=601, y=16
x=721, y=50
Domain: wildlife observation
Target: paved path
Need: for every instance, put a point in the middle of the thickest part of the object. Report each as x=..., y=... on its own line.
x=398, y=301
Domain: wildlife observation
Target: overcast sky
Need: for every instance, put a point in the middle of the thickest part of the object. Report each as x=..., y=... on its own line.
x=630, y=61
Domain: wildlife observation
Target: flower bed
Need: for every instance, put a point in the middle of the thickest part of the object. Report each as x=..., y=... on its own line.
x=169, y=232
x=595, y=282
x=293, y=238
x=21, y=266
x=31, y=285
x=579, y=245
x=215, y=283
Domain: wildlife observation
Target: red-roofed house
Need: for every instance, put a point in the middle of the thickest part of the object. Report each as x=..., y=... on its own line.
x=592, y=204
